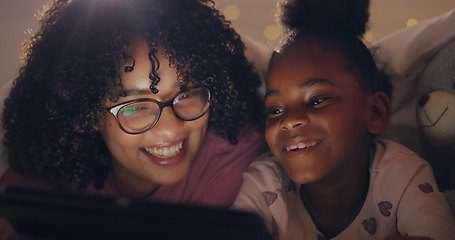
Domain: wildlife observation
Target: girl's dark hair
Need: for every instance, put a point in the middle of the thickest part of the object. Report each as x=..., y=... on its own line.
x=53, y=114
x=339, y=26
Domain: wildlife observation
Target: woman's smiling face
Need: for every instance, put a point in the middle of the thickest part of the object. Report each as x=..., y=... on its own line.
x=163, y=154
x=317, y=114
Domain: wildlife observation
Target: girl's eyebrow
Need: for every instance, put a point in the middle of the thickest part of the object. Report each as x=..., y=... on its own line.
x=312, y=82
x=270, y=93
x=306, y=84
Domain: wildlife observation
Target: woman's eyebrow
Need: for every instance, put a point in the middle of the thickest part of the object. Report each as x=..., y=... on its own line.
x=136, y=92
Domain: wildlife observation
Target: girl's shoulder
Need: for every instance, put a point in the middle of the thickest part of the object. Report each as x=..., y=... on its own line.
x=395, y=169
x=270, y=175
x=388, y=155
x=403, y=194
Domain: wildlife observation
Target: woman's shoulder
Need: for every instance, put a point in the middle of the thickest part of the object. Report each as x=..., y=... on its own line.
x=250, y=141
x=250, y=133
x=13, y=178
x=247, y=133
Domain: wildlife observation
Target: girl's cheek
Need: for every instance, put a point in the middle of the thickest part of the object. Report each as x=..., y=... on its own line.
x=271, y=131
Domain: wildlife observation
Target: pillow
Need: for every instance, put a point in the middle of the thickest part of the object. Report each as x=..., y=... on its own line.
x=406, y=53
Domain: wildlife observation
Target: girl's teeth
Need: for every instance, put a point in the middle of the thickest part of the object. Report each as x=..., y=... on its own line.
x=300, y=146
x=165, y=152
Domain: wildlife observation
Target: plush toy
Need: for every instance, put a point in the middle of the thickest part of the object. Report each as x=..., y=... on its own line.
x=436, y=115
x=420, y=62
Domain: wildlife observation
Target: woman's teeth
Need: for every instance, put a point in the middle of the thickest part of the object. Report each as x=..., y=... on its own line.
x=165, y=152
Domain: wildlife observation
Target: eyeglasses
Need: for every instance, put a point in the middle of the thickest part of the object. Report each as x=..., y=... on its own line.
x=140, y=115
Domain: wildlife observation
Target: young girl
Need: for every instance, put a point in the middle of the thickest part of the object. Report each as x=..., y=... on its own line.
x=147, y=99
x=328, y=177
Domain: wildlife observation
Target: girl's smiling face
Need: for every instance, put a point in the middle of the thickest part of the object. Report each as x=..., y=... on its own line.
x=163, y=154
x=317, y=123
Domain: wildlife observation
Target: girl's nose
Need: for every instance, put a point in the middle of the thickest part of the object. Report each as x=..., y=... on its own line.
x=294, y=120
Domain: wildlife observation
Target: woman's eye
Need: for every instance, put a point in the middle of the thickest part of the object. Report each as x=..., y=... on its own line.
x=130, y=110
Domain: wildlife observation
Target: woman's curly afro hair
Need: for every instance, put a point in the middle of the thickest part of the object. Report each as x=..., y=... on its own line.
x=53, y=114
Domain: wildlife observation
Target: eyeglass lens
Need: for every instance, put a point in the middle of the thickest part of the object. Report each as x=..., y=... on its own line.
x=140, y=116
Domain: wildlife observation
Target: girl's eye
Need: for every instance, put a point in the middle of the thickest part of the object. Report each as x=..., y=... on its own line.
x=273, y=112
x=316, y=102
x=186, y=95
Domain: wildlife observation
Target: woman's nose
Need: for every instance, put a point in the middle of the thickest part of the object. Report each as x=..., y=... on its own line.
x=168, y=124
x=294, y=120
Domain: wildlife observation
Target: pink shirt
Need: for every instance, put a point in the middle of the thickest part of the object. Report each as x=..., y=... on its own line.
x=213, y=180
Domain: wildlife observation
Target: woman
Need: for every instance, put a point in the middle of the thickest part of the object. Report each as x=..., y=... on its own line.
x=144, y=99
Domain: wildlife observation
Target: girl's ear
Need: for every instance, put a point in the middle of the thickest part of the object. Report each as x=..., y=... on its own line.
x=379, y=112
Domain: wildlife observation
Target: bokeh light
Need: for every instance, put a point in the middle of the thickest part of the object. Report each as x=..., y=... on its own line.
x=231, y=12
x=272, y=32
x=368, y=37
x=411, y=21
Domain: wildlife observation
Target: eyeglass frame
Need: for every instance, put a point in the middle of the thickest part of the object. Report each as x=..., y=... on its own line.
x=114, y=110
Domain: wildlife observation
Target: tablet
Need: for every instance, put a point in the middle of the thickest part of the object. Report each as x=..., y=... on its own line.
x=64, y=215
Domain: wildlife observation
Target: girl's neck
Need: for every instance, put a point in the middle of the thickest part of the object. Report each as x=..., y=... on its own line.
x=334, y=206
